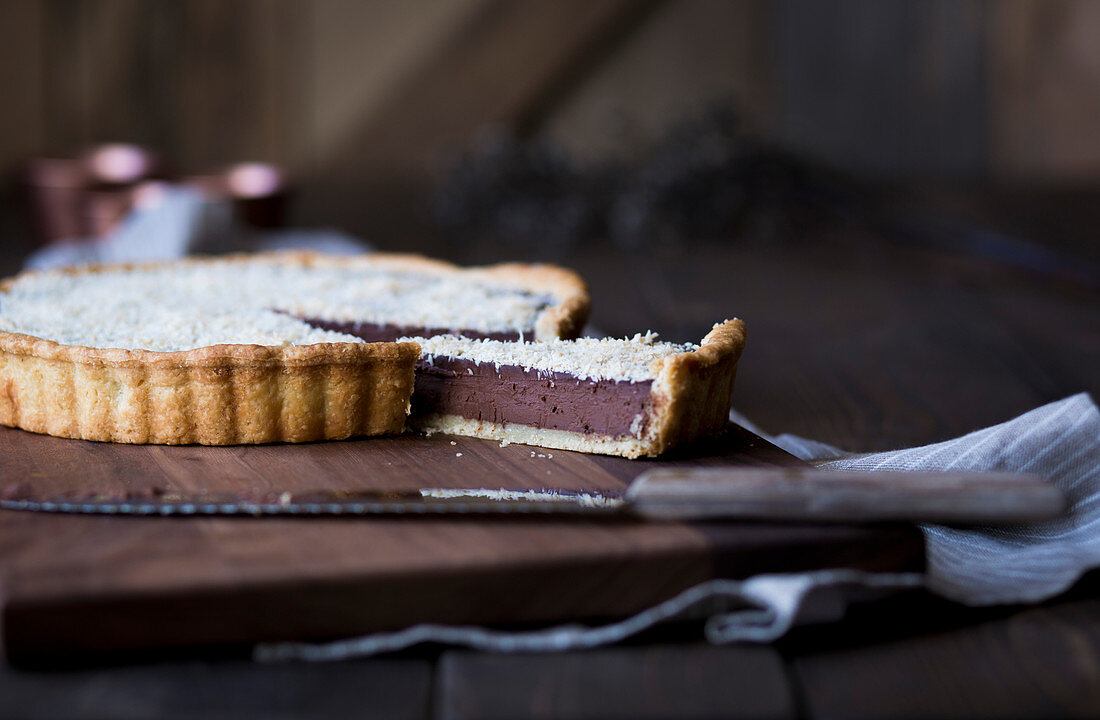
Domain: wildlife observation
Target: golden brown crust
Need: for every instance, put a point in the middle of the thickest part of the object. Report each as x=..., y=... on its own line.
x=239, y=394
x=690, y=399
x=217, y=395
x=691, y=395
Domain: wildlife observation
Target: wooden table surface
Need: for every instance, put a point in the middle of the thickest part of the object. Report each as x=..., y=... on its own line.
x=855, y=339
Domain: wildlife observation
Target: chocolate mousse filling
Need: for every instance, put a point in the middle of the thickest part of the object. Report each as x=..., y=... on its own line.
x=509, y=394
x=375, y=332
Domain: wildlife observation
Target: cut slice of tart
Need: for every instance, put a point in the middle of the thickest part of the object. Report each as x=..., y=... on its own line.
x=250, y=349
x=632, y=397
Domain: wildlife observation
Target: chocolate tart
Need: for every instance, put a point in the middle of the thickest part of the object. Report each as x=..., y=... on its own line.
x=251, y=348
x=633, y=397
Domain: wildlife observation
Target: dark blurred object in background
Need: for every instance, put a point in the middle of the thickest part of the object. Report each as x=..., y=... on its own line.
x=260, y=192
x=53, y=191
x=705, y=179
x=115, y=172
x=523, y=192
x=88, y=195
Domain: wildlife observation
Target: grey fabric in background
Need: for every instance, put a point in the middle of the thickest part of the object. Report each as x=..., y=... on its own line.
x=181, y=222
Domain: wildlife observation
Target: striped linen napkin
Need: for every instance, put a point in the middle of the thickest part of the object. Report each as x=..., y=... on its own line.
x=1018, y=564
x=1025, y=563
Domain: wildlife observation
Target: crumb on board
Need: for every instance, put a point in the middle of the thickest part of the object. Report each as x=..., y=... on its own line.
x=453, y=442
x=458, y=454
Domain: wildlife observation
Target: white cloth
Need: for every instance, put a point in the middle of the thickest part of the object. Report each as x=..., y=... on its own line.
x=978, y=566
x=1024, y=563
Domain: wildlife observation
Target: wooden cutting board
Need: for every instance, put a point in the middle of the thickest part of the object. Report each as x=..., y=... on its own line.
x=71, y=584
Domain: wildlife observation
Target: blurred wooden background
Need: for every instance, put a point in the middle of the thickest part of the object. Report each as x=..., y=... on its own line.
x=365, y=99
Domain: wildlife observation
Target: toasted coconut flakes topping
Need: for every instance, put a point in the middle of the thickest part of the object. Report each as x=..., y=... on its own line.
x=587, y=358
x=251, y=302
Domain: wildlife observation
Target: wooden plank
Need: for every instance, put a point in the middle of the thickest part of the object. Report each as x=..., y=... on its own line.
x=1043, y=662
x=21, y=36
x=886, y=88
x=241, y=94
x=398, y=689
x=64, y=77
x=98, y=70
x=82, y=584
x=498, y=64
x=157, y=583
x=655, y=681
x=1045, y=67
x=39, y=466
x=205, y=83
x=359, y=53
x=686, y=56
x=496, y=68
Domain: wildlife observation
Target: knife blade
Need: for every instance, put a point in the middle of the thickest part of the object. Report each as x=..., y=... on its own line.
x=658, y=494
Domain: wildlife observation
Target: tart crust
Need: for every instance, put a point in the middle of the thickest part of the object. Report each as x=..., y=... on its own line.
x=216, y=395
x=689, y=399
x=242, y=394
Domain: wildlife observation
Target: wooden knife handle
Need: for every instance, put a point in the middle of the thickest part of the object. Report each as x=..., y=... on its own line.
x=836, y=496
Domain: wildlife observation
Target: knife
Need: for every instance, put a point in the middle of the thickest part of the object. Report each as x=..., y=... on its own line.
x=658, y=494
